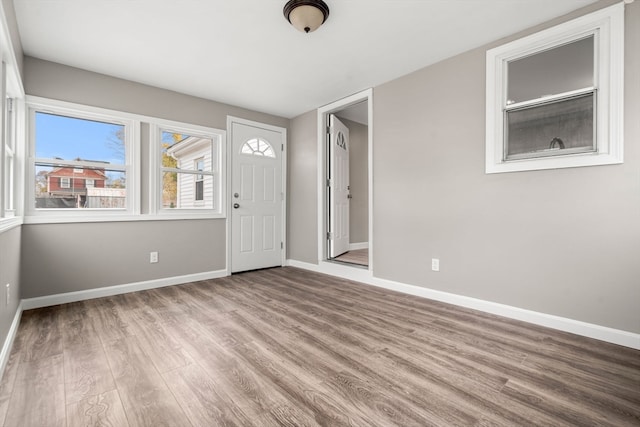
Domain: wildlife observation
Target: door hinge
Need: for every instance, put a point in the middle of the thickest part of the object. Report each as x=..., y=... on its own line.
x=329, y=182
x=10, y=105
x=281, y=245
x=329, y=130
x=329, y=235
x=281, y=147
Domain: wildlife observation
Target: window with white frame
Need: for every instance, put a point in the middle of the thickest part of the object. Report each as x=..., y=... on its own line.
x=554, y=99
x=10, y=110
x=190, y=169
x=81, y=160
x=11, y=132
x=9, y=158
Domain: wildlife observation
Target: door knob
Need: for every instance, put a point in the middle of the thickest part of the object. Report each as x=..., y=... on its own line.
x=236, y=195
x=236, y=206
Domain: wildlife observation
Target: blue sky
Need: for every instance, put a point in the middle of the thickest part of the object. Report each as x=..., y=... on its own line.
x=70, y=138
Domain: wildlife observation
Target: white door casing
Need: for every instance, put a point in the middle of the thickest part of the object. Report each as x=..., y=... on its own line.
x=338, y=187
x=257, y=233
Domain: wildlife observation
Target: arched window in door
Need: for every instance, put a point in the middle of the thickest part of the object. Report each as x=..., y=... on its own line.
x=258, y=147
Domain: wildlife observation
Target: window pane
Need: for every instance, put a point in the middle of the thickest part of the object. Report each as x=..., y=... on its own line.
x=170, y=190
x=258, y=147
x=8, y=183
x=70, y=138
x=199, y=165
x=559, y=70
x=180, y=151
x=72, y=187
x=555, y=128
x=199, y=190
x=187, y=191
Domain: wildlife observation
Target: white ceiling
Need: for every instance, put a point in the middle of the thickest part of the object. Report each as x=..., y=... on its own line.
x=245, y=53
x=358, y=113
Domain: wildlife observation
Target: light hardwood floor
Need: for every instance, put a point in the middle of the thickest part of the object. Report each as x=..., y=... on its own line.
x=294, y=348
x=357, y=256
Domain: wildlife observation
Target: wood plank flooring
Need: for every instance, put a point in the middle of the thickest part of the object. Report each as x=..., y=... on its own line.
x=357, y=256
x=288, y=347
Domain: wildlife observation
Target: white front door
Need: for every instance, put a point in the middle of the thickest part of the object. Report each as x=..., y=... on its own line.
x=338, y=187
x=256, y=196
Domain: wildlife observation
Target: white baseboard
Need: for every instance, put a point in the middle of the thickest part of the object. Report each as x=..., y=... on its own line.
x=49, y=300
x=360, y=245
x=8, y=342
x=603, y=333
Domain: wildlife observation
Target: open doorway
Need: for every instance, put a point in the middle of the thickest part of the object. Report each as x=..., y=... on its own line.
x=345, y=152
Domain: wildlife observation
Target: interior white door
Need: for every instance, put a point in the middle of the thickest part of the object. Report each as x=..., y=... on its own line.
x=256, y=197
x=338, y=187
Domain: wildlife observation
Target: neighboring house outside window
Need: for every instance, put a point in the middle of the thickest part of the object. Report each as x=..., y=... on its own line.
x=189, y=169
x=89, y=166
x=187, y=151
x=199, y=180
x=72, y=187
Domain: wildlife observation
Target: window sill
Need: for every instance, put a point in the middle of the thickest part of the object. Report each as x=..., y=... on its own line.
x=559, y=162
x=7, y=224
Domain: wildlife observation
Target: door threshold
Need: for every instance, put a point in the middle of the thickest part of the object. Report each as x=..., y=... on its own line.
x=350, y=264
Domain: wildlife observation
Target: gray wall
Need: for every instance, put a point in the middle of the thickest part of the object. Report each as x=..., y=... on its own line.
x=9, y=273
x=60, y=258
x=56, y=81
x=563, y=242
x=302, y=206
x=72, y=257
x=358, y=181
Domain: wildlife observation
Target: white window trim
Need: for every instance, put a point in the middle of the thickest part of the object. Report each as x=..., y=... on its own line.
x=65, y=182
x=10, y=149
x=218, y=137
x=10, y=216
x=609, y=24
x=20, y=149
x=131, y=166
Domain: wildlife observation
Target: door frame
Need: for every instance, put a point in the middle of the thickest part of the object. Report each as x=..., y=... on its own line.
x=323, y=114
x=229, y=162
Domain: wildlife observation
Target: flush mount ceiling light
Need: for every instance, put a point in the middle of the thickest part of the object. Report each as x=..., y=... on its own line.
x=306, y=15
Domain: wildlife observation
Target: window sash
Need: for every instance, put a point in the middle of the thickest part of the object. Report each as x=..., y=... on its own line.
x=607, y=27
x=549, y=152
x=9, y=181
x=127, y=168
x=207, y=171
x=74, y=164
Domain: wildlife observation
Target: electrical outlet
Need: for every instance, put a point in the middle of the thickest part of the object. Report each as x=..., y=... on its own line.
x=153, y=257
x=8, y=294
x=435, y=264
